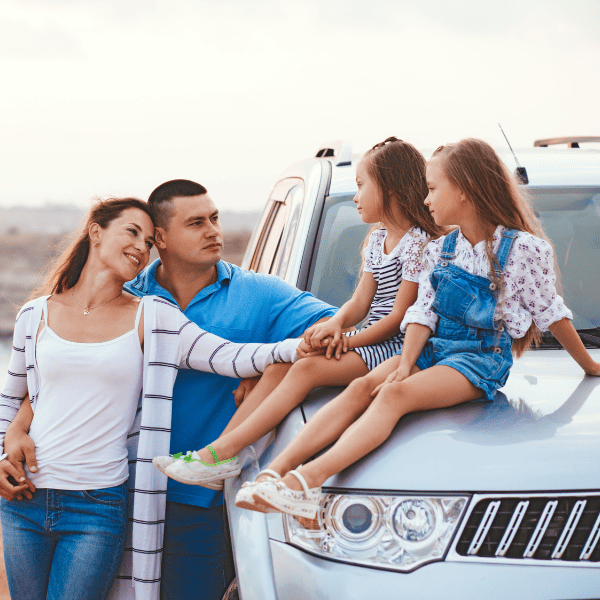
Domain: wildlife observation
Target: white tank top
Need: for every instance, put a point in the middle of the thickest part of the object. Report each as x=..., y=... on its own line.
x=86, y=405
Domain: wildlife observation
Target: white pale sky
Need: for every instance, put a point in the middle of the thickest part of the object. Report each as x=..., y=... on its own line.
x=103, y=97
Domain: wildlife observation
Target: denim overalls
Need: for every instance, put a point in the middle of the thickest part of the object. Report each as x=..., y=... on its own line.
x=466, y=338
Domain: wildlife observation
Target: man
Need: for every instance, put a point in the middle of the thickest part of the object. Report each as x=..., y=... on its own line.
x=238, y=305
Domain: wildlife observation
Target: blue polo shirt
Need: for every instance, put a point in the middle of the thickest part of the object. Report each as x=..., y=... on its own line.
x=241, y=306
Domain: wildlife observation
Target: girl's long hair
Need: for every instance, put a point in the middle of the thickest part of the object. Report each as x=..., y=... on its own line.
x=398, y=169
x=64, y=272
x=478, y=172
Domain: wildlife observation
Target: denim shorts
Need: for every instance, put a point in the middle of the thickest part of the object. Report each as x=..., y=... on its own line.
x=65, y=544
x=486, y=367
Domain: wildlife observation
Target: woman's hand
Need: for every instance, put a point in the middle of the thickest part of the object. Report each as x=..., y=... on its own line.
x=400, y=374
x=305, y=350
x=13, y=483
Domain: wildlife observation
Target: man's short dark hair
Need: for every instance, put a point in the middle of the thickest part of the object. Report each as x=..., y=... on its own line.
x=161, y=199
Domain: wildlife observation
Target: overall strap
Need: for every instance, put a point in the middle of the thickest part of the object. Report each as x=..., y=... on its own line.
x=508, y=237
x=449, y=246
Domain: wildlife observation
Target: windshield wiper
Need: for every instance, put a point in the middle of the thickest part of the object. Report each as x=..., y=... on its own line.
x=589, y=337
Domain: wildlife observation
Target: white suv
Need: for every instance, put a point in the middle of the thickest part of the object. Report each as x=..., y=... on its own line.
x=507, y=493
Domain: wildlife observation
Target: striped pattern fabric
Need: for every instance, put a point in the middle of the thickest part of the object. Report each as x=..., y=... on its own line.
x=403, y=262
x=171, y=342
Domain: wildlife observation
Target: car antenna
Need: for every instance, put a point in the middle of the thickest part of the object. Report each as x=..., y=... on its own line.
x=520, y=172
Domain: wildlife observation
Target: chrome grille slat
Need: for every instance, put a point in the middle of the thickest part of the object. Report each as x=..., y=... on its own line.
x=484, y=527
x=540, y=529
x=569, y=529
x=531, y=528
x=592, y=541
x=513, y=526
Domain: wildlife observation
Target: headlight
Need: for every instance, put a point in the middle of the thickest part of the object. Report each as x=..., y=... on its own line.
x=392, y=532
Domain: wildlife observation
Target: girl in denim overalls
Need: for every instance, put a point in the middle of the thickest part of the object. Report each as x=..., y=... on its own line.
x=487, y=290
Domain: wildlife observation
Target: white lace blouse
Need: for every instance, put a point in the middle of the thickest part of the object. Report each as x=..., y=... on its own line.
x=529, y=283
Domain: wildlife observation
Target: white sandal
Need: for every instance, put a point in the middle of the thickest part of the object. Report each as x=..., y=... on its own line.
x=277, y=495
x=244, y=498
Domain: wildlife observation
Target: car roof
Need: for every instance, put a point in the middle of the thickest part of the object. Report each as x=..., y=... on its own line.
x=546, y=167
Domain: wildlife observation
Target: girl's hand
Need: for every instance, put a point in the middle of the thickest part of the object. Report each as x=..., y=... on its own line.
x=9, y=476
x=595, y=371
x=340, y=348
x=305, y=350
x=316, y=335
x=400, y=374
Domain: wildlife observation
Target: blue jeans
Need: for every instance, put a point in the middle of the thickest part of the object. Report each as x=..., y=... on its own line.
x=196, y=562
x=64, y=544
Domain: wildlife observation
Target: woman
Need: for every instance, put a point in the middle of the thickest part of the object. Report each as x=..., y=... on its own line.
x=83, y=354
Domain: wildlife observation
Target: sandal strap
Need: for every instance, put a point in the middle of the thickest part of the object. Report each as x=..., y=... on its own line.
x=216, y=458
x=214, y=454
x=301, y=480
x=274, y=474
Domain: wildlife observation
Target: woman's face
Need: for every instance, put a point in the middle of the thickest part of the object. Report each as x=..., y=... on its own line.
x=445, y=201
x=124, y=246
x=368, y=198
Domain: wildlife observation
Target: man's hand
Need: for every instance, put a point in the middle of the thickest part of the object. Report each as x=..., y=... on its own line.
x=9, y=476
x=20, y=448
x=242, y=390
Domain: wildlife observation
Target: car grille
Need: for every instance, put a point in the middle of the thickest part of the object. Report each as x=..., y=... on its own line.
x=562, y=527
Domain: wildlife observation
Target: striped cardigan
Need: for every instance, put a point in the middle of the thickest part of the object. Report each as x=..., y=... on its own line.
x=171, y=342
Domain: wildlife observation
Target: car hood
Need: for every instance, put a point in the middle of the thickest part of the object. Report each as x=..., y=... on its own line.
x=541, y=433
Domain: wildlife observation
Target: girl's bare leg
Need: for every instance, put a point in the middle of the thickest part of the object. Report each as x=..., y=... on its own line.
x=305, y=375
x=270, y=379
x=436, y=387
x=333, y=419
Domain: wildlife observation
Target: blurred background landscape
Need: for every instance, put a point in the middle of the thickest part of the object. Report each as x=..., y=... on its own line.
x=31, y=237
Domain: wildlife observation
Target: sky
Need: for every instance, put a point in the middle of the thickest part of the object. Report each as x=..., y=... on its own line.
x=113, y=97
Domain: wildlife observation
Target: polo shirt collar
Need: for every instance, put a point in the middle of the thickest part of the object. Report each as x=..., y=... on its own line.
x=146, y=282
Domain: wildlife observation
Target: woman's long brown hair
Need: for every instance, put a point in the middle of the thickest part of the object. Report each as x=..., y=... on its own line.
x=64, y=272
x=476, y=170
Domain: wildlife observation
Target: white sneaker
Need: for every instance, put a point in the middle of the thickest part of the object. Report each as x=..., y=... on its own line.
x=162, y=462
x=245, y=499
x=192, y=470
x=277, y=495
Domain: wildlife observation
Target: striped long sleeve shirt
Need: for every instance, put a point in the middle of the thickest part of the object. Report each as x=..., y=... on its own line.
x=171, y=342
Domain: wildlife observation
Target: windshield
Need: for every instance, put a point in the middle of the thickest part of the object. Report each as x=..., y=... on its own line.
x=571, y=219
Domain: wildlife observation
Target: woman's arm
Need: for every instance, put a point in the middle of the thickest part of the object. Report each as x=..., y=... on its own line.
x=203, y=351
x=15, y=387
x=567, y=335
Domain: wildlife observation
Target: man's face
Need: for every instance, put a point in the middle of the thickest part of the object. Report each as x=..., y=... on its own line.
x=195, y=235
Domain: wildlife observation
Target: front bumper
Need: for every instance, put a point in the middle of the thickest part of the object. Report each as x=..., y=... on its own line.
x=301, y=576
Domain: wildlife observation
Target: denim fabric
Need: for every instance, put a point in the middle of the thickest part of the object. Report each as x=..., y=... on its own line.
x=64, y=544
x=466, y=338
x=197, y=562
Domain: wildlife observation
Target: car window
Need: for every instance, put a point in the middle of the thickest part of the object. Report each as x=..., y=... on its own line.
x=293, y=202
x=570, y=217
x=276, y=227
x=339, y=251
